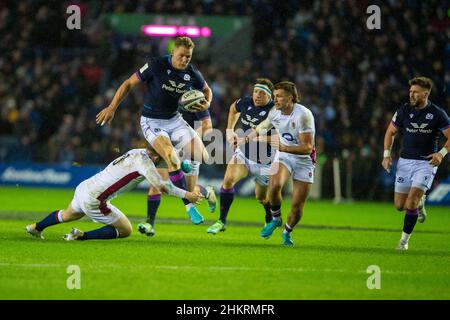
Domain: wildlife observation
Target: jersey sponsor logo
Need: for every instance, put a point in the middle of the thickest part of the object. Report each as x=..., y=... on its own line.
x=249, y=121
x=429, y=116
x=143, y=68
x=288, y=136
x=174, y=87
x=174, y=84
x=419, y=128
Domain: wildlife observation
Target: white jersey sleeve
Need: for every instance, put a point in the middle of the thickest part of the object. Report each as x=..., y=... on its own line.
x=306, y=122
x=146, y=168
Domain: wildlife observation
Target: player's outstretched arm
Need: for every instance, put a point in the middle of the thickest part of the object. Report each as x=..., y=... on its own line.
x=233, y=116
x=148, y=170
x=437, y=157
x=166, y=186
x=388, y=142
x=107, y=114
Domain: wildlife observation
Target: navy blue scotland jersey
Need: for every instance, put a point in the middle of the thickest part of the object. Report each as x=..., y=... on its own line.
x=250, y=117
x=165, y=85
x=420, y=129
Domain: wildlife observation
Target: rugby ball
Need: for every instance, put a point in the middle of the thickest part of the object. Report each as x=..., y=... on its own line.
x=190, y=99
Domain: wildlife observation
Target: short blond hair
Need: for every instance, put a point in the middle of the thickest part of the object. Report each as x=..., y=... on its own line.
x=184, y=42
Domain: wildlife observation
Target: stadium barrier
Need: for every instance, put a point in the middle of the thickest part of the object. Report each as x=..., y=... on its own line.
x=63, y=176
x=440, y=195
x=43, y=175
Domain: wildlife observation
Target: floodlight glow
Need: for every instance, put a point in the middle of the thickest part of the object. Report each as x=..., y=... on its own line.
x=159, y=30
x=170, y=31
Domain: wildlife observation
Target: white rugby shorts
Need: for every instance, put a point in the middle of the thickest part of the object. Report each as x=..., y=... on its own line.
x=102, y=212
x=414, y=173
x=261, y=172
x=176, y=129
x=301, y=168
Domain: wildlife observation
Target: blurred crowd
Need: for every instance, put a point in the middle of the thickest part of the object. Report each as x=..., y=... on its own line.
x=53, y=81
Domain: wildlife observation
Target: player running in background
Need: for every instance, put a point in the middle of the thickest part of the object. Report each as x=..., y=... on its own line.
x=420, y=122
x=92, y=197
x=166, y=79
x=154, y=196
x=296, y=156
x=251, y=157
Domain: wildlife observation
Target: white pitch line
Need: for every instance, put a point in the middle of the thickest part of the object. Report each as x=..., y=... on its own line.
x=222, y=268
x=31, y=265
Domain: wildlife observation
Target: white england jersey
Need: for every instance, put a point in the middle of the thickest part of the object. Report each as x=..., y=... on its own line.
x=301, y=120
x=124, y=174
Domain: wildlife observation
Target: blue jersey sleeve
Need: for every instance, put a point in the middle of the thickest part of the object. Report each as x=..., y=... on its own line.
x=199, y=81
x=202, y=115
x=145, y=73
x=397, y=119
x=238, y=104
x=444, y=121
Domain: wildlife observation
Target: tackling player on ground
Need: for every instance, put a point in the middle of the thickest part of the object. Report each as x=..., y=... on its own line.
x=92, y=197
x=166, y=79
x=252, y=157
x=420, y=122
x=296, y=156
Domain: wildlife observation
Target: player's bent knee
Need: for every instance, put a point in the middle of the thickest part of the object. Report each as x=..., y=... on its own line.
x=153, y=191
x=125, y=231
x=227, y=183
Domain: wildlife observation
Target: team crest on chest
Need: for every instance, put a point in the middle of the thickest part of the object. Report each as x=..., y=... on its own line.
x=187, y=77
x=429, y=116
x=293, y=125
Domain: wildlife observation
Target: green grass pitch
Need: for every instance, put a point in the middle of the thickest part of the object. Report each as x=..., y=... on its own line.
x=335, y=244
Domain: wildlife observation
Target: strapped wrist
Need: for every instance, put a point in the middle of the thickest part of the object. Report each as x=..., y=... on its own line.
x=443, y=152
x=386, y=153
